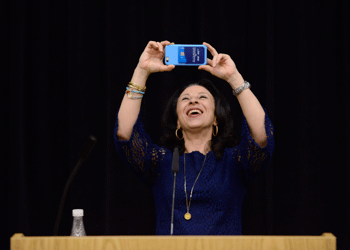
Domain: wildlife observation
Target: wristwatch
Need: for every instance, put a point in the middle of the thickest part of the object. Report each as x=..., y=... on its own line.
x=244, y=86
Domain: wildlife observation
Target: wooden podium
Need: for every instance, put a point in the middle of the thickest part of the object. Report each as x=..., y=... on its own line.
x=325, y=242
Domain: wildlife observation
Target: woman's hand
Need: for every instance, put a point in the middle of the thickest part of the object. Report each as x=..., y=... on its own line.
x=223, y=67
x=151, y=60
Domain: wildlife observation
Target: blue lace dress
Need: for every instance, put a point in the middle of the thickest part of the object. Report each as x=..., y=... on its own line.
x=217, y=199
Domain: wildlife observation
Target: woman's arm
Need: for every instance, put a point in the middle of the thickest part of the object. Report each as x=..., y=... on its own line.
x=253, y=112
x=130, y=108
x=151, y=61
x=222, y=66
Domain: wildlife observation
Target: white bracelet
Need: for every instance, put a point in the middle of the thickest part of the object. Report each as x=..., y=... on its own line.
x=245, y=85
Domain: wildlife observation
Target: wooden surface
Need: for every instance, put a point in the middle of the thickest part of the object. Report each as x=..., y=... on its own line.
x=325, y=242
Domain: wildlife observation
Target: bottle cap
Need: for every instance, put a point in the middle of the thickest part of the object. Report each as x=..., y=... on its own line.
x=78, y=212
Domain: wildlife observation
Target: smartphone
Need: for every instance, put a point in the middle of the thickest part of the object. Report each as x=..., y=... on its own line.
x=185, y=54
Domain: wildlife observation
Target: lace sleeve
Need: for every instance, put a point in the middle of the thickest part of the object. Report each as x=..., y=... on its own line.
x=252, y=157
x=140, y=153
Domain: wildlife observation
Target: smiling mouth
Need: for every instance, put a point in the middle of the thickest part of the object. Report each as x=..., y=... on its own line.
x=194, y=112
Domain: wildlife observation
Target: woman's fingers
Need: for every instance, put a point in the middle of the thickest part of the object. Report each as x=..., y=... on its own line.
x=211, y=49
x=167, y=67
x=217, y=60
x=214, y=60
x=156, y=45
x=206, y=68
x=160, y=46
x=164, y=43
x=152, y=44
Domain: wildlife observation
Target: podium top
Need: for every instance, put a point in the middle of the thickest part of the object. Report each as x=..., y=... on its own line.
x=326, y=241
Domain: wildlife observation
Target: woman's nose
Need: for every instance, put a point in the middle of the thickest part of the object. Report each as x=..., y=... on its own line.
x=192, y=101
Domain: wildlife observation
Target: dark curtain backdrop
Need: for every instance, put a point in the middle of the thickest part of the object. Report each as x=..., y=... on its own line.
x=64, y=69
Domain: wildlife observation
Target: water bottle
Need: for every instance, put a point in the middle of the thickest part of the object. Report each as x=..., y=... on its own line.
x=78, y=224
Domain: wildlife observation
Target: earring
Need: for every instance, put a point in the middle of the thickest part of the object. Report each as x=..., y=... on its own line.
x=217, y=130
x=177, y=135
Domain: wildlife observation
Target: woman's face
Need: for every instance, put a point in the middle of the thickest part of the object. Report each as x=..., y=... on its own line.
x=195, y=109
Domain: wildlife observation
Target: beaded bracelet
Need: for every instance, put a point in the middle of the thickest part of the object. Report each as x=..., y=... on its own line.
x=135, y=91
x=129, y=95
x=137, y=87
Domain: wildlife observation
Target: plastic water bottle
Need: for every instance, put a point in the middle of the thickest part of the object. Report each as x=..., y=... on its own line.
x=78, y=224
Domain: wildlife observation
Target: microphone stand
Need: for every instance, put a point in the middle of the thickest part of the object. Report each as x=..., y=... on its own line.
x=84, y=154
x=172, y=208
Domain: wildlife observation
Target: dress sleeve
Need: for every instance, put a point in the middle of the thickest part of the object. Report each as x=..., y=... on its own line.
x=140, y=153
x=252, y=157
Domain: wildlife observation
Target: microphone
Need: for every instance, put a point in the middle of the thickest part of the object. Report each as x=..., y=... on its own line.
x=83, y=155
x=88, y=147
x=175, y=170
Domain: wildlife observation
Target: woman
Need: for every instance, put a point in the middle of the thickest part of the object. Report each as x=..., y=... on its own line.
x=213, y=175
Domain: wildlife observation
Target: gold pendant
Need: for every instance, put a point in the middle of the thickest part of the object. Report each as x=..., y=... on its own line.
x=187, y=216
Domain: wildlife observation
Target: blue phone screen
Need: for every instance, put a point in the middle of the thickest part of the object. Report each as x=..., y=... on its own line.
x=191, y=55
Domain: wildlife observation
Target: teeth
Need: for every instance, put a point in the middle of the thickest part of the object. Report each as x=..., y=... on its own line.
x=194, y=111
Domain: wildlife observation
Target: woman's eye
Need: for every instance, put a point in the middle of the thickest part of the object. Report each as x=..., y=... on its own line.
x=202, y=96
x=185, y=98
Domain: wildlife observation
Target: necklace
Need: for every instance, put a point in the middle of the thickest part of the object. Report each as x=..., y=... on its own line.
x=188, y=204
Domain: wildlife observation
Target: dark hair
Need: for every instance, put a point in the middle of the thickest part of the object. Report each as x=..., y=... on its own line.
x=225, y=137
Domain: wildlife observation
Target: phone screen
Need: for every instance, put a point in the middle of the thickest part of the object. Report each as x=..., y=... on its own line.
x=190, y=55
